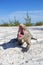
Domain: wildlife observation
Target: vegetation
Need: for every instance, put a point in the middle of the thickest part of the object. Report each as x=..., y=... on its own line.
x=14, y=22
x=11, y=23
x=39, y=23
x=27, y=22
x=4, y=24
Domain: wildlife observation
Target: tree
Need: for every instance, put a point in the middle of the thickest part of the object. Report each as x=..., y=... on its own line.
x=16, y=22
x=11, y=23
x=27, y=20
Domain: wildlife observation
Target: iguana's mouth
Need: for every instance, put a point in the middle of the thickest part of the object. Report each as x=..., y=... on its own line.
x=22, y=33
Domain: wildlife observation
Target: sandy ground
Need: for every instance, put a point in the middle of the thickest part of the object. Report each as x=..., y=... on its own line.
x=13, y=54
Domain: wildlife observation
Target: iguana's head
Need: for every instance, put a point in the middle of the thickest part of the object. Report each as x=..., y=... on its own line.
x=22, y=26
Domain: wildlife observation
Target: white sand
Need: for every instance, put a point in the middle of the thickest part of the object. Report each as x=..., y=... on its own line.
x=11, y=53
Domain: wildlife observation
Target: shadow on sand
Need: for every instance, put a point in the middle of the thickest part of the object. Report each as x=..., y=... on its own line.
x=12, y=44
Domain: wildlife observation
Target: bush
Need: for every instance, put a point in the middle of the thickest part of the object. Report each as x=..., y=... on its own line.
x=38, y=23
x=4, y=24
x=28, y=24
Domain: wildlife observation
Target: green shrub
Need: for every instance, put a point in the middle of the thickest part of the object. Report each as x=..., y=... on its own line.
x=38, y=23
x=4, y=24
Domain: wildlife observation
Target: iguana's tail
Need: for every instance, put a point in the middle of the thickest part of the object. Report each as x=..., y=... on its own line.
x=33, y=38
